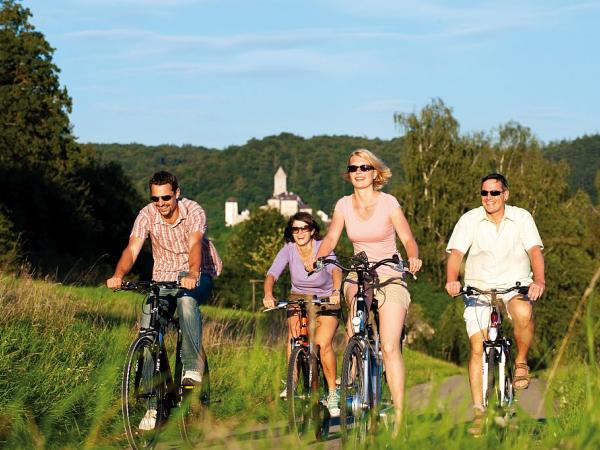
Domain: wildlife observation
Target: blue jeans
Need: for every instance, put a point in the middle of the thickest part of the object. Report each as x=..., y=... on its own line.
x=190, y=320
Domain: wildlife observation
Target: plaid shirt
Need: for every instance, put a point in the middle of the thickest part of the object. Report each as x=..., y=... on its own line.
x=170, y=242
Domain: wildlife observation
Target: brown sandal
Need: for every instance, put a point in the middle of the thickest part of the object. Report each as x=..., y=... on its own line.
x=476, y=427
x=523, y=379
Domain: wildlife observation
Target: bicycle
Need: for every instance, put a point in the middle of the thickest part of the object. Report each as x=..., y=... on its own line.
x=306, y=383
x=148, y=381
x=362, y=398
x=497, y=386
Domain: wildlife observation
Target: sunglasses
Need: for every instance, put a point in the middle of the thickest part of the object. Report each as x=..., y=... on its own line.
x=296, y=230
x=164, y=198
x=492, y=193
x=363, y=168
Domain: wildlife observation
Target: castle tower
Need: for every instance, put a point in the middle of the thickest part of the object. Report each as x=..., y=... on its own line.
x=231, y=212
x=280, y=182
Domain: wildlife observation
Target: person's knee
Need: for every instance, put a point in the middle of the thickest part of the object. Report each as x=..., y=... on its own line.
x=477, y=352
x=390, y=349
x=324, y=345
x=188, y=306
x=522, y=316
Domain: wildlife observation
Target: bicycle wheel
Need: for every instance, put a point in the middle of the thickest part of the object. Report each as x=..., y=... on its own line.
x=193, y=408
x=319, y=391
x=492, y=393
x=143, y=391
x=354, y=401
x=299, y=391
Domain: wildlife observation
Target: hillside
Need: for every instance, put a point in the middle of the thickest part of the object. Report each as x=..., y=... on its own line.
x=246, y=172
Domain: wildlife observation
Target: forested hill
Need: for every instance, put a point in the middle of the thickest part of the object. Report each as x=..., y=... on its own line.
x=583, y=155
x=314, y=168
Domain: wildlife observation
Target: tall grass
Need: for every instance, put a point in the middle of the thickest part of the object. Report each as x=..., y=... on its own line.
x=62, y=348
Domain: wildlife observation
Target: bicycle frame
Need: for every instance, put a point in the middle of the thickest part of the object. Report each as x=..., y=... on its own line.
x=364, y=334
x=496, y=345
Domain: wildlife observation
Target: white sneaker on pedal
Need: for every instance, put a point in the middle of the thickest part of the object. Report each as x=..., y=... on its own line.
x=148, y=422
x=283, y=394
x=333, y=403
x=191, y=377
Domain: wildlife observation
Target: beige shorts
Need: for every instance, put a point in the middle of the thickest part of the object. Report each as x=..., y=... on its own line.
x=478, y=309
x=390, y=289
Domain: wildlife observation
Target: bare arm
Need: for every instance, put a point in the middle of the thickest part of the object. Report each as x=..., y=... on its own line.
x=336, y=274
x=329, y=241
x=194, y=260
x=536, y=289
x=453, y=271
x=126, y=262
x=269, y=299
x=406, y=237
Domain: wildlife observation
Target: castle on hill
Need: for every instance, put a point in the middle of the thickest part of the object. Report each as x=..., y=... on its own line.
x=287, y=203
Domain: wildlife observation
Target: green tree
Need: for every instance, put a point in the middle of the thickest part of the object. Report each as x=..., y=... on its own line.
x=249, y=252
x=58, y=213
x=440, y=173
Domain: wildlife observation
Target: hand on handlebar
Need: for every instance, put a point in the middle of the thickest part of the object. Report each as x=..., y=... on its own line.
x=453, y=288
x=536, y=289
x=114, y=283
x=188, y=282
x=334, y=298
x=269, y=301
x=414, y=264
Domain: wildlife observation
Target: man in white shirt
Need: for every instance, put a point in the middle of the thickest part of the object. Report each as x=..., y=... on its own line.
x=504, y=247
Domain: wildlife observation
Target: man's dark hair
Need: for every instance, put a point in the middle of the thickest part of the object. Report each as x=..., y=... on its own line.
x=496, y=176
x=308, y=220
x=164, y=177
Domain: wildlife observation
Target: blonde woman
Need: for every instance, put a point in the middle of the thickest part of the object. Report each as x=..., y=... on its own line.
x=373, y=219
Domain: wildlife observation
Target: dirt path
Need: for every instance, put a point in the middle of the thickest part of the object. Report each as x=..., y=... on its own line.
x=451, y=398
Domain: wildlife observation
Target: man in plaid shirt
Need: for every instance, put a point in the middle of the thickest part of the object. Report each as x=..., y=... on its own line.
x=176, y=227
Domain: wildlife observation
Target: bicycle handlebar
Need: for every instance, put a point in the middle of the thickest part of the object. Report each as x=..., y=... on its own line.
x=142, y=286
x=282, y=304
x=360, y=262
x=469, y=290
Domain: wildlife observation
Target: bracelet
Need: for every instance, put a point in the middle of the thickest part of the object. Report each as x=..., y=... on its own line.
x=335, y=291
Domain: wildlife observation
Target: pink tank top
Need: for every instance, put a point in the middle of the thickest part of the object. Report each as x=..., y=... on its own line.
x=375, y=236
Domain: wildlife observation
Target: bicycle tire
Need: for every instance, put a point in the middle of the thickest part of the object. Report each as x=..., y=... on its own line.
x=319, y=390
x=299, y=391
x=193, y=407
x=492, y=395
x=354, y=411
x=142, y=389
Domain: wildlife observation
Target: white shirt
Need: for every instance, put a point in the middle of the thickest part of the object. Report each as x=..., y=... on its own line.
x=497, y=256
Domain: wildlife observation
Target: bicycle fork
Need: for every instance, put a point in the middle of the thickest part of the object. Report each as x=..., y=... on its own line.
x=498, y=352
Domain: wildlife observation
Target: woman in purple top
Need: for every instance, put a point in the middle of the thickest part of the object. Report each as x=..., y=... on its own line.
x=303, y=239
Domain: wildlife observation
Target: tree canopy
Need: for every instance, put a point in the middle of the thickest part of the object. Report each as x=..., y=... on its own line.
x=62, y=204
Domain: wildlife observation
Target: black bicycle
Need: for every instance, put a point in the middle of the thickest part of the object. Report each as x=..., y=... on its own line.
x=498, y=391
x=306, y=384
x=151, y=391
x=364, y=397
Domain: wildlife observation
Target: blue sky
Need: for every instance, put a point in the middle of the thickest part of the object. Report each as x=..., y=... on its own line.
x=217, y=73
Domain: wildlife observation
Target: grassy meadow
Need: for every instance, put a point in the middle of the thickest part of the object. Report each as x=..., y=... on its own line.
x=62, y=349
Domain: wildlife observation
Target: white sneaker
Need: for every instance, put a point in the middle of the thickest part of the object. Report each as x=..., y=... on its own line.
x=333, y=403
x=283, y=394
x=148, y=422
x=191, y=378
